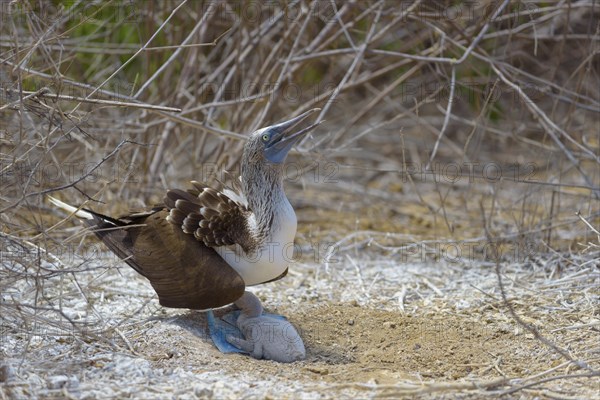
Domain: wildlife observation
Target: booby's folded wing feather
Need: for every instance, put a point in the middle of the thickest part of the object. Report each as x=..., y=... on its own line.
x=183, y=272
x=210, y=216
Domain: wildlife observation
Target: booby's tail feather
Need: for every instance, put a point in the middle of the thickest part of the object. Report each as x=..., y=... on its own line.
x=111, y=231
x=90, y=217
x=70, y=209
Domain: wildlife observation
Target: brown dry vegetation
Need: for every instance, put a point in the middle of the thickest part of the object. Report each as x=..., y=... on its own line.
x=448, y=205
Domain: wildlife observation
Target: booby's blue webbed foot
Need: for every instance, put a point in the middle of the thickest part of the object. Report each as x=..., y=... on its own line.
x=248, y=330
x=220, y=329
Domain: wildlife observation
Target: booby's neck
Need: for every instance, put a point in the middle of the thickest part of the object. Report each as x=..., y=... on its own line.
x=272, y=224
x=270, y=219
x=262, y=184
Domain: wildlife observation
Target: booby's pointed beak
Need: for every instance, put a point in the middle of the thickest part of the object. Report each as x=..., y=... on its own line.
x=282, y=140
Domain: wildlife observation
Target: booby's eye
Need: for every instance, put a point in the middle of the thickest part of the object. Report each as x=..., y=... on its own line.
x=265, y=137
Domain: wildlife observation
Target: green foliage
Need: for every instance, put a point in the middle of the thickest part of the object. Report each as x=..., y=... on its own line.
x=117, y=26
x=312, y=74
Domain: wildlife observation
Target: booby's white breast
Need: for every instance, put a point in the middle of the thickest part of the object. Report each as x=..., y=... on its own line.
x=272, y=258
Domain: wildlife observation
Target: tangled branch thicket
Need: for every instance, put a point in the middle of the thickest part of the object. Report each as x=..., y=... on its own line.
x=444, y=122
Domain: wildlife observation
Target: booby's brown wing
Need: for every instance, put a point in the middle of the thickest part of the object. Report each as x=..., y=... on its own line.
x=210, y=216
x=183, y=272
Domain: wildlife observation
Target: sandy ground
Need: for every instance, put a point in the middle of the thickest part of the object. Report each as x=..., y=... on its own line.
x=384, y=315
x=371, y=327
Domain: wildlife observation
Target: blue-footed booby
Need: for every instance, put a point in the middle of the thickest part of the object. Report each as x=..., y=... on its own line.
x=202, y=247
